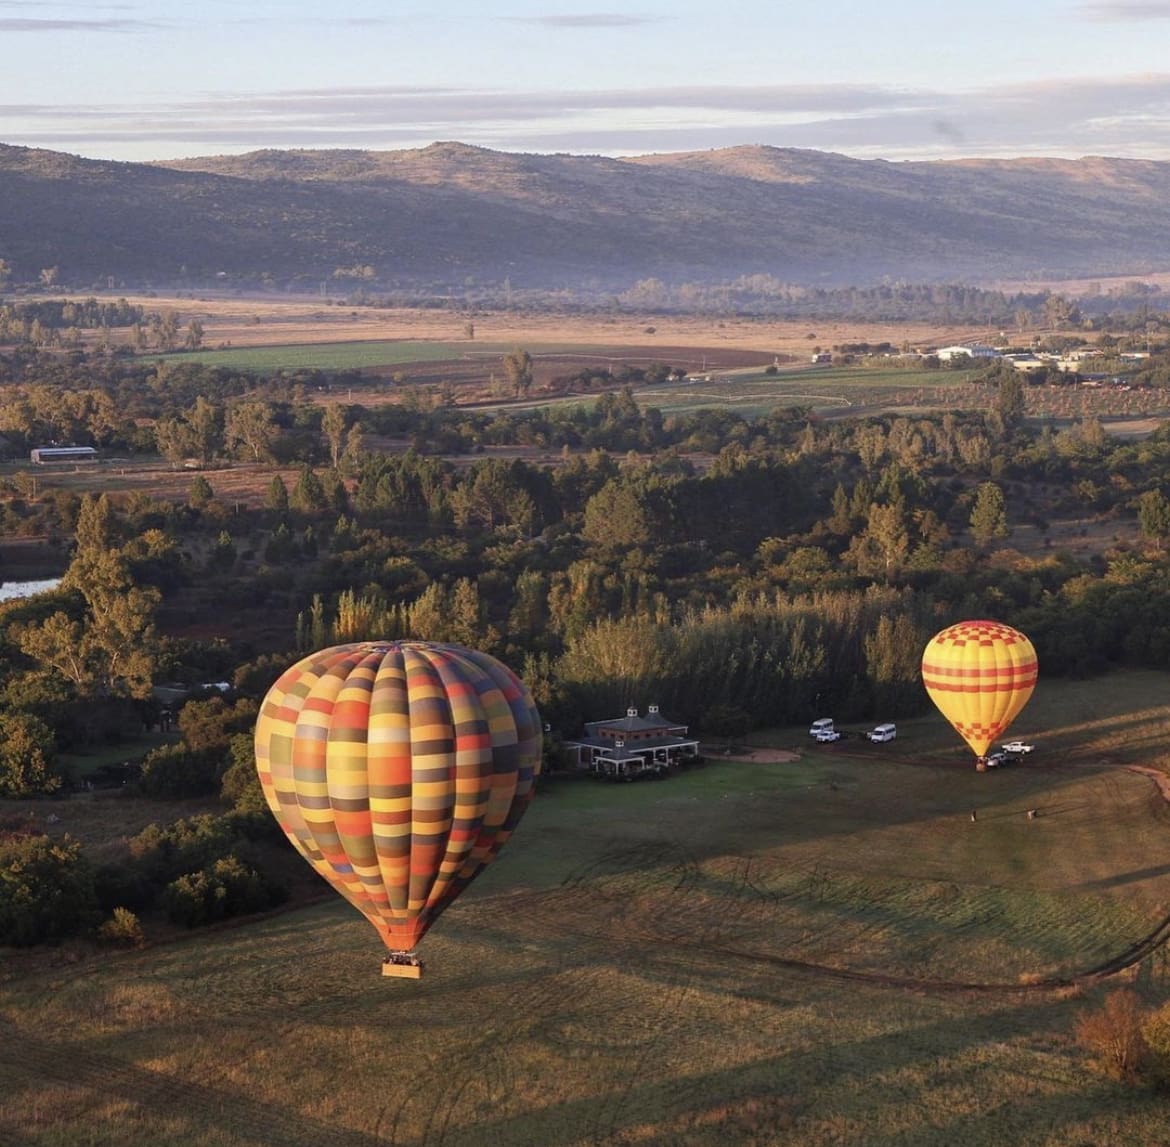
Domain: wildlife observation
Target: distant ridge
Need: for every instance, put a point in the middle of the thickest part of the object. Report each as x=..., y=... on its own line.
x=449, y=215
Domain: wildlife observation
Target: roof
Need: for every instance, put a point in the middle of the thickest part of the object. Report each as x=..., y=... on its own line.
x=633, y=724
x=638, y=747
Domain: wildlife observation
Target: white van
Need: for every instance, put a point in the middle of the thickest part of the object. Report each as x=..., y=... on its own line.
x=883, y=733
x=820, y=726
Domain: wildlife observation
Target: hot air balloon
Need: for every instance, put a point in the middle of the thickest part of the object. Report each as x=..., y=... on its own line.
x=398, y=770
x=980, y=674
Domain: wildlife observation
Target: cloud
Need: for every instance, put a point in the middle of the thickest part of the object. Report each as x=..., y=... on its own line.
x=108, y=24
x=1066, y=117
x=1117, y=11
x=587, y=20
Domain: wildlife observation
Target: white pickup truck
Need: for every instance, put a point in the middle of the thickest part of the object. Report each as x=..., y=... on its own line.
x=1020, y=747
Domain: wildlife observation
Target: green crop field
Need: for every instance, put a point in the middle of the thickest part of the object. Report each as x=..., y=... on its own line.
x=822, y=951
x=755, y=393
x=357, y=355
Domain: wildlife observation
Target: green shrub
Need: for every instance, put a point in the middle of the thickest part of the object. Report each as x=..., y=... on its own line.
x=176, y=771
x=122, y=930
x=210, y=723
x=226, y=888
x=46, y=891
x=122, y=884
x=241, y=783
x=162, y=854
x=28, y=753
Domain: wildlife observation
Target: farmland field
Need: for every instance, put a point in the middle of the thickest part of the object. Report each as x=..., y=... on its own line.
x=822, y=951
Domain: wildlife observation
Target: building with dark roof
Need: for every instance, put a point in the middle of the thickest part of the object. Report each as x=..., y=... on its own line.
x=623, y=748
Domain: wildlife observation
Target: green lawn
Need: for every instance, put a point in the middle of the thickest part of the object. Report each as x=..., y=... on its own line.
x=356, y=355
x=817, y=952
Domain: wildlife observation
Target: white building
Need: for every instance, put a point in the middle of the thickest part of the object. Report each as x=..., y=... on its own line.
x=970, y=350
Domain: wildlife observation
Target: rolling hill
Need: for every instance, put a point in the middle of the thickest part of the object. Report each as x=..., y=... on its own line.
x=449, y=216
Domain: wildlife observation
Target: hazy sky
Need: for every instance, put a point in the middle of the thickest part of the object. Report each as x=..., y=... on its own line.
x=901, y=79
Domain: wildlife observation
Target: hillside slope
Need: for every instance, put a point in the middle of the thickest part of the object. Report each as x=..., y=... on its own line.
x=448, y=215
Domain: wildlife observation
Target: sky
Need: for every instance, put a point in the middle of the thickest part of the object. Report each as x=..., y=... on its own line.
x=900, y=80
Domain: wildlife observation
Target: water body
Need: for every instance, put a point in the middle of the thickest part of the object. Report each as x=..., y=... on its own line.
x=11, y=590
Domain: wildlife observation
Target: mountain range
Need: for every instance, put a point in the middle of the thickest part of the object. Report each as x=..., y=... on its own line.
x=450, y=216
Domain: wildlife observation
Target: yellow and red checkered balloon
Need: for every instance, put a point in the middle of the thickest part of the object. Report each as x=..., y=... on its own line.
x=398, y=769
x=980, y=674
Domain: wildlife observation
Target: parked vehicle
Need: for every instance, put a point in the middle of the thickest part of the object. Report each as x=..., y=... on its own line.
x=995, y=758
x=1017, y=747
x=820, y=725
x=827, y=736
x=882, y=733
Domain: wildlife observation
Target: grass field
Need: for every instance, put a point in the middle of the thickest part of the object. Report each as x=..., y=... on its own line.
x=754, y=393
x=343, y=355
x=827, y=951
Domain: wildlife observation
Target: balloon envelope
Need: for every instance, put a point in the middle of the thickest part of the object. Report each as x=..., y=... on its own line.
x=398, y=769
x=980, y=674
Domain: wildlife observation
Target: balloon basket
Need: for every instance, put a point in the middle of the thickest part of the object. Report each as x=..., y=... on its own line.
x=403, y=966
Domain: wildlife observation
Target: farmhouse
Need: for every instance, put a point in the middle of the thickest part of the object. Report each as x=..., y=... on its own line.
x=43, y=455
x=631, y=746
x=969, y=350
x=1026, y=361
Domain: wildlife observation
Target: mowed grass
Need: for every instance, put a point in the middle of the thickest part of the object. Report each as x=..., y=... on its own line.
x=754, y=393
x=358, y=355
x=817, y=952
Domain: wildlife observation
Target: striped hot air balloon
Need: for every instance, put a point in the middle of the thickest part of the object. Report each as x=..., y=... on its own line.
x=398, y=769
x=980, y=674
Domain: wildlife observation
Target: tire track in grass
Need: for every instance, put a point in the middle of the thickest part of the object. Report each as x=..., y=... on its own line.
x=107, y=1078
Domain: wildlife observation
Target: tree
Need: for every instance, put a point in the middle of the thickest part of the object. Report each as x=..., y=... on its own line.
x=277, y=496
x=166, y=330
x=333, y=425
x=989, y=514
x=1154, y=516
x=893, y=659
x=194, y=339
x=213, y=722
x=1009, y=397
x=28, y=750
x=518, y=367
x=108, y=646
x=46, y=890
x=617, y=516
x=249, y=429
x=308, y=495
x=200, y=495
x=240, y=787
x=881, y=549
x=173, y=439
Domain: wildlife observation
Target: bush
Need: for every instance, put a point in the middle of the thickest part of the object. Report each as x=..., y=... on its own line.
x=28, y=754
x=177, y=771
x=46, y=891
x=1113, y=1034
x=1156, y=1033
x=163, y=854
x=123, y=885
x=226, y=888
x=122, y=930
x=211, y=723
x=241, y=783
